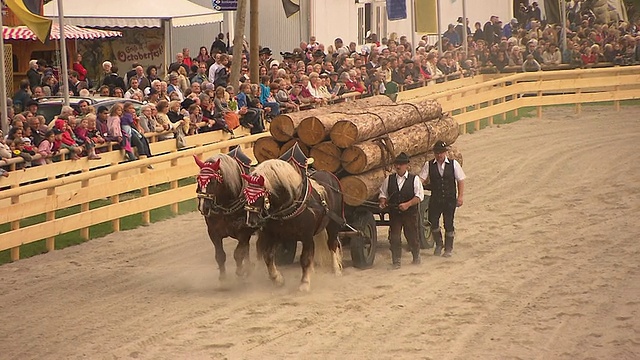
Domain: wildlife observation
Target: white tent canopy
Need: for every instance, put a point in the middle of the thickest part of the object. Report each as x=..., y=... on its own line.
x=132, y=13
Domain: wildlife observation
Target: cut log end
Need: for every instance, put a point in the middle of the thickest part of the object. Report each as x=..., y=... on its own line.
x=344, y=134
x=326, y=156
x=266, y=148
x=355, y=189
x=354, y=160
x=312, y=131
x=282, y=128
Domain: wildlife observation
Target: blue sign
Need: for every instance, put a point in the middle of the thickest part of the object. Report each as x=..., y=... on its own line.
x=225, y=5
x=396, y=9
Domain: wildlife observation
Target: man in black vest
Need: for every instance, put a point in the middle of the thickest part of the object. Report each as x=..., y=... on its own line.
x=447, y=189
x=401, y=193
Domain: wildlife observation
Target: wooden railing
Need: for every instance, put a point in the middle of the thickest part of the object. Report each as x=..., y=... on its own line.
x=40, y=191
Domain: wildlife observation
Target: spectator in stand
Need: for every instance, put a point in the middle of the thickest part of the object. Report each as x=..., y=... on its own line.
x=112, y=79
x=531, y=64
x=218, y=46
x=118, y=92
x=203, y=55
x=115, y=131
x=133, y=88
x=589, y=58
x=174, y=86
x=75, y=85
x=104, y=90
x=250, y=117
x=452, y=35
x=201, y=75
x=80, y=130
x=67, y=141
x=180, y=62
x=511, y=28
x=50, y=85
x=515, y=58
x=146, y=121
x=183, y=80
x=46, y=149
x=22, y=96
x=186, y=58
x=102, y=125
x=84, y=108
x=222, y=110
x=34, y=77
x=152, y=73
x=79, y=68
x=267, y=99
x=132, y=129
x=552, y=56
x=92, y=130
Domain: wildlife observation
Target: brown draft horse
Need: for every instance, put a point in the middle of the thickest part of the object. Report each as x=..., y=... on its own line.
x=221, y=202
x=289, y=206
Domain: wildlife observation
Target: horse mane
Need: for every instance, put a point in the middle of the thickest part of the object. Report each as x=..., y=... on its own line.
x=281, y=174
x=228, y=167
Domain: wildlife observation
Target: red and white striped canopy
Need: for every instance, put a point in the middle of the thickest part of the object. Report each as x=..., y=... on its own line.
x=70, y=32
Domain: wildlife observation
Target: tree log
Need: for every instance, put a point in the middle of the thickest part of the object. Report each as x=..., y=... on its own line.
x=284, y=126
x=382, y=120
x=316, y=127
x=289, y=144
x=266, y=148
x=411, y=140
x=326, y=156
x=359, y=188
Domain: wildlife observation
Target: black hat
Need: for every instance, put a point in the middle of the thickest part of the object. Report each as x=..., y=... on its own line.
x=265, y=50
x=318, y=53
x=440, y=147
x=402, y=158
x=101, y=108
x=57, y=131
x=32, y=102
x=186, y=103
x=286, y=55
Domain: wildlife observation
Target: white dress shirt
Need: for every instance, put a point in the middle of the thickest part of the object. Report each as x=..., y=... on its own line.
x=457, y=169
x=400, y=180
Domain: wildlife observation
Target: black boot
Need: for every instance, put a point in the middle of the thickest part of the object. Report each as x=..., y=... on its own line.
x=437, y=239
x=448, y=244
x=396, y=254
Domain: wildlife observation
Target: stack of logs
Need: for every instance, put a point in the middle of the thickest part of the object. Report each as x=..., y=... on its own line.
x=358, y=140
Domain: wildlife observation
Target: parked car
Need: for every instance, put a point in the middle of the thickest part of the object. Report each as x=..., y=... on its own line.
x=50, y=107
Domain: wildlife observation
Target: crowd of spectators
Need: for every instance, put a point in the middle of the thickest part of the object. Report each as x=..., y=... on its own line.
x=196, y=94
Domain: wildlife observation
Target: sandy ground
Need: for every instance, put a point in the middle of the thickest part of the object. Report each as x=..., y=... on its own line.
x=545, y=267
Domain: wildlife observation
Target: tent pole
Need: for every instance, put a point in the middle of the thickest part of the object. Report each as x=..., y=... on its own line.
x=563, y=12
x=440, y=50
x=64, y=63
x=254, y=42
x=465, y=34
x=3, y=87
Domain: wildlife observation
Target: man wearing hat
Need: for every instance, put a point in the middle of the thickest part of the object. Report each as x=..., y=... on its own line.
x=265, y=57
x=401, y=193
x=447, y=189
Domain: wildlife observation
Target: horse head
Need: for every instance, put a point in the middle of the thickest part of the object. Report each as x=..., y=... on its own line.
x=257, y=197
x=209, y=181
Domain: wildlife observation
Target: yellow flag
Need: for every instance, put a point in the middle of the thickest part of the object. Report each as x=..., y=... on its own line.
x=426, y=16
x=41, y=26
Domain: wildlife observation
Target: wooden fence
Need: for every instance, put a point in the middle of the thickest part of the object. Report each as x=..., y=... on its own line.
x=37, y=191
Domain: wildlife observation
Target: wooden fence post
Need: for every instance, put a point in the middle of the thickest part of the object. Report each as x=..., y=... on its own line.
x=516, y=96
x=15, y=225
x=616, y=102
x=146, y=215
x=578, y=103
x=50, y=242
x=115, y=199
x=174, y=185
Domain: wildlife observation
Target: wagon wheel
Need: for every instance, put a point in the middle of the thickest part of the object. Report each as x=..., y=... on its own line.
x=286, y=253
x=426, y=241
x=363, y=247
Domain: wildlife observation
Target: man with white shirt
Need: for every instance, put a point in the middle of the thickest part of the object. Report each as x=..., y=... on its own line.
x=401, y=193
x=446, y=178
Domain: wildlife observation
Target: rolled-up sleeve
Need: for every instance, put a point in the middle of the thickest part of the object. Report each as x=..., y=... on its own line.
x=384, y=189
x=417, y=188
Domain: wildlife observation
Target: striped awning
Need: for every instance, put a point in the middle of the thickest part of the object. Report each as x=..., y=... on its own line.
x=70, y=32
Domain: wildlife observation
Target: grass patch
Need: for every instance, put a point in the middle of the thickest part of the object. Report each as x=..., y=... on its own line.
x=96, y=231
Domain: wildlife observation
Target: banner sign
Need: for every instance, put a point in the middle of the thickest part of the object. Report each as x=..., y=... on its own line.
x=225, y=5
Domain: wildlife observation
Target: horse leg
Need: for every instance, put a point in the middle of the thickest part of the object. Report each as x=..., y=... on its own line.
x=306, y=262
x=269, y=256
x=241, y=255
x=216, y=239
x=333, y=242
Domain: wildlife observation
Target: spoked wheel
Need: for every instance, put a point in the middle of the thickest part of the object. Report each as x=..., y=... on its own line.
x=363, y=248
x=286, y=253
x=426, y=241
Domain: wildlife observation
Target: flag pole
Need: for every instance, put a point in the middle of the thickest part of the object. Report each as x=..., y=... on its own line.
x=64, y=64
x=4, y=121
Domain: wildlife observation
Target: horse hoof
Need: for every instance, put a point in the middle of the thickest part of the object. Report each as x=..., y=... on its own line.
x=278, y=280
x=304, y=287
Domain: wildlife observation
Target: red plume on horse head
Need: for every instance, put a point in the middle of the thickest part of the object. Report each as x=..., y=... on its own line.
x=256, y=180
x=215, y=166
x=198, y=161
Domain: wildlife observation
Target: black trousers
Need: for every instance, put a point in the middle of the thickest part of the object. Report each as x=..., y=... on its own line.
x=446, y=209
x=406, y=221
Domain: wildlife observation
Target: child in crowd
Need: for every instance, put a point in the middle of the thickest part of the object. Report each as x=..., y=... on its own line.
x=46, y=147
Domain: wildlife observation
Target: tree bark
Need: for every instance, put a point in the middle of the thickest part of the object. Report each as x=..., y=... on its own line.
x=359, y=188
x=411, y=140
x=289, y=144
x=316, y=127
x=381, y=120
x=238, y=35
x=266, y=148
x=326, y=156
x=283, y=127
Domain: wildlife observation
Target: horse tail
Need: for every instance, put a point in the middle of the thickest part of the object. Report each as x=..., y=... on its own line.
x=323, y=257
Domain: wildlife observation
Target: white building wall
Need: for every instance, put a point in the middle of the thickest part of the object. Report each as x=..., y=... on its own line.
x=331, y=19
x=402, y=27
x=192, y=37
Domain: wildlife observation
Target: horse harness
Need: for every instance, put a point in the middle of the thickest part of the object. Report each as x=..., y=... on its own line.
x=214, y=207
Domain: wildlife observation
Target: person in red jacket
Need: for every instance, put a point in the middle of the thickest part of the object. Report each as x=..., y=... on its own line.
x=79, y=68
